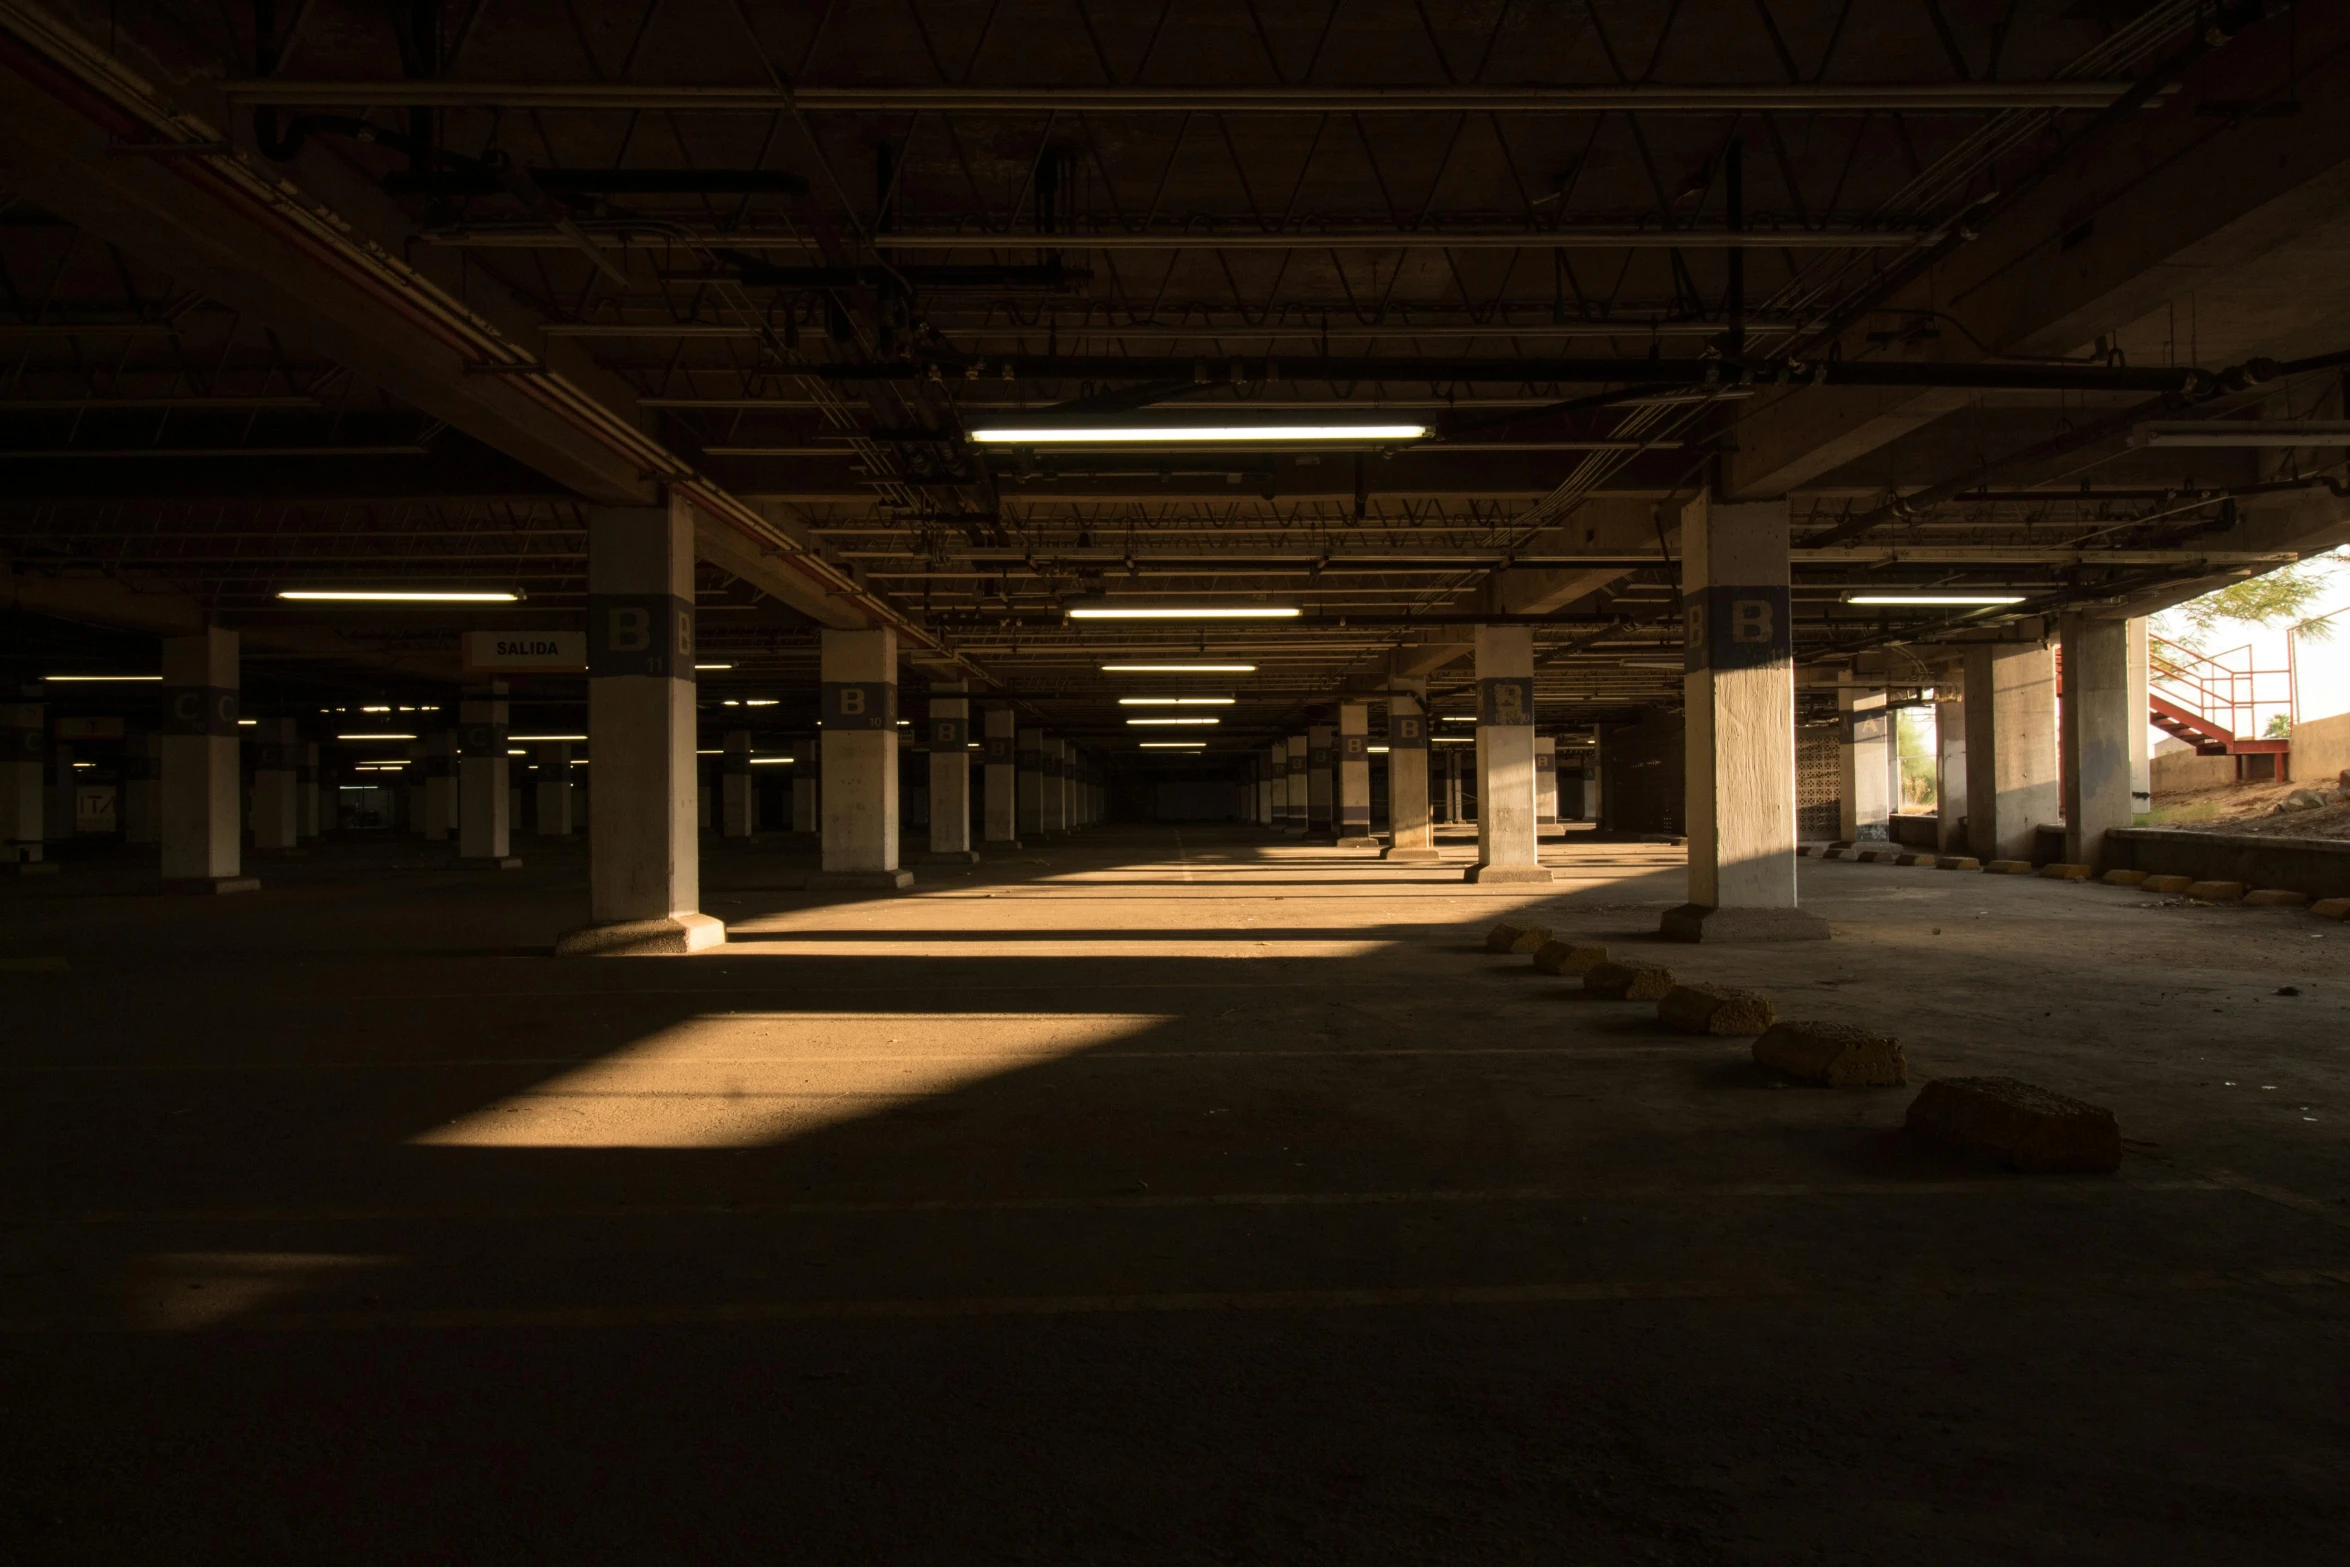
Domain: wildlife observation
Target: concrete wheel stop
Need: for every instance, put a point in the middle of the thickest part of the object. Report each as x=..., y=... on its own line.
x=1704, y=922
x=859, y=881
x=674, y=936
x=1411, y=856
x=1505, y=875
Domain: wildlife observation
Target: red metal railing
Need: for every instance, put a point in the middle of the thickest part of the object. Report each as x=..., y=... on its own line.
x=2232, y=696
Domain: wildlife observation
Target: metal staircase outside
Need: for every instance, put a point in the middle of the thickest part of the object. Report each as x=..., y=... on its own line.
x=2218, y=703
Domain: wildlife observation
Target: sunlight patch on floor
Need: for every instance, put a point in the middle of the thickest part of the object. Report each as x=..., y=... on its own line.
x=738, y=1080
x=184, y=1291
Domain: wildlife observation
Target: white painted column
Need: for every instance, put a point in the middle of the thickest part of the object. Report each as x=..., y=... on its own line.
x=1053, y=780
x=1353, y=777
x=142, y=771
x=1318, y=793
x=2011, y=776
x=1002, y=805
x=950, y=773
x=644, y=854
x=807, y=788
x=1277, y=785
x=739, y=810
x=555, y=790
x=440, y=783
x=485, y=813
x=1301, y=787
x=2141, y=762
x=1950, y=762
x=2097, y=718
x=860, y=761
x=24, y=745
x=1861, y=760
x=1739, y=698
x=277, y=812
x=1411, y=828
x=1507, y=847
x=312, y=810
x=202, y=848
x=1546, y=784
x=1028, y=782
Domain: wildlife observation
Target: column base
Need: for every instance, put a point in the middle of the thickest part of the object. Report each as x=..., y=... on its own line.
x=1003, y=843
x=1412, y=856
x=491, y=862
x=1506, y=875
x=36, y=867
x=951, y=857
x=672, y=937
x=860, y=881
x=1357, y=841
x=209, y=885
x=1704, y=922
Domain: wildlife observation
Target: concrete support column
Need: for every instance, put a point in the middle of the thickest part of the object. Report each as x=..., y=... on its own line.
x=485, y=813
x=644, y=854
x=1455, y=799
x=1002, y=806
x=2011, y=777
x=1301, y=787
x=1353, y=777
x=739, y=810
x=806, y=788
x=1276, y=768
x=312, y=811
x=555, y=790
x=1507, y=847
x=142, y=773
x=1053, y=778
x=24, y=742
x=1028, y=767
x=2141, y=763
x=202, y=851
x=2097, y=719
x=1861, y=761
x=277, y=812
x=1318, y=801
x=859, y=765
x=440, y=785
x=1411, y=827
x=950, y=773
x=1739, y=692
x=1260, y=792
x=1546, y=784
x=1950, y=763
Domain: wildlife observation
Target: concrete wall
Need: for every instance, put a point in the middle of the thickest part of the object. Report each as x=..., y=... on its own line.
x=2319, y=867
x=2321, y=749
x=2175, y=766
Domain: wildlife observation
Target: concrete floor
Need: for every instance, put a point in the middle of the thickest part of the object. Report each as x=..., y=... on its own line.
x=1152, y=1197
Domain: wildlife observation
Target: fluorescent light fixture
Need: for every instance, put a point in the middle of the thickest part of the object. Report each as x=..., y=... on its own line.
x=375, y=710
x=247, y=723
x=1655, y=663
x=1172, y=745
x=1456, y=718
x=1179, y=669
x=713, y=666
x=511, y=752
x=1194, y=434
x=1197, y=612
x=1933, y=598
x=1139, y=722
x=709, y=753
x=85, y=764
x=1175, y=701
x=396, y=596
x=761, y=701
x=101, y=677
x=375, y=737
x=1376, y=750
x=2243, y=432
x=773, y=761
x=1450, y=740
x=531, y=739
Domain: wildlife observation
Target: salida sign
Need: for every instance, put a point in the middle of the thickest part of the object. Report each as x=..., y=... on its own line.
x=504, y=652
